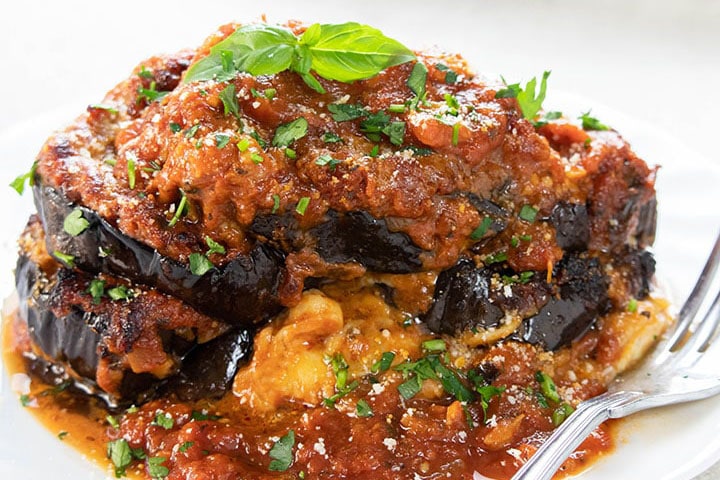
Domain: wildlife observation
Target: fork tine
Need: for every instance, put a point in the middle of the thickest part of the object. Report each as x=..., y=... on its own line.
x=696, y=298
x=702, y=336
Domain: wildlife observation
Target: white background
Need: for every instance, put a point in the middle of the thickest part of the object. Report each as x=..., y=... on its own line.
x=657, y=62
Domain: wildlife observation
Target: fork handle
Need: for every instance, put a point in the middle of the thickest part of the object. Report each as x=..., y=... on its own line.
x=566, y=438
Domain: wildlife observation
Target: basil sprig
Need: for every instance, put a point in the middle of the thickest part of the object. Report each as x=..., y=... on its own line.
x=344, y=52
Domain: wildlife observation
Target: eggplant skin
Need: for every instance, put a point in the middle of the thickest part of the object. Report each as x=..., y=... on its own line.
x=354, y=236
x=242, y=292
x=208, y=369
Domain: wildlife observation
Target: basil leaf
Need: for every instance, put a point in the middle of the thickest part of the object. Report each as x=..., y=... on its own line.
x=343, y=112
x=247, y=45
x=289, y=132
x=282, y=453
x=350, y=51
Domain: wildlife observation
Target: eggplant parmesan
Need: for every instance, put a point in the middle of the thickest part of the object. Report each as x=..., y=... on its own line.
x=295, y=247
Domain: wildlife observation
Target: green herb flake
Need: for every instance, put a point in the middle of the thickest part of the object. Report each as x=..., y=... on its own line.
x=256, y=158
x=363, y=409
x=145, y=73
x=62, y=434
x=118, y=451
x=221, y=139
x=107, y=108
x=270, y=93
x=164, y=420
x=213, y=246
x=243, y=145
x=179, y=210
x=229, y=101
x=261, y=141
x=19, y=183
x=276, y=203
x=302, y=205
x=175, y=127
x=74, y=223
x=375, y=151
x=497, y=257
x=561, y=413
x=155, y=467
x=632, y=305
x=290, y=153
x=121, y=292
x=487, y=392
x=288, y=133
x=328, y=161
x=384, y=363
x=112, y=421
x=456, y=134
x=397, y=108
x=200, y=264
x=434, y=345
x=329, y=137
x=481, y=229
x=185, y=446
x=530, y=103
x=451, y=76
x=343, y=112
x=25, y=400
x=131, y=173
x=417, y=79
x=282, y=453
x=409, y=388
x=68, y=260
x=592, y=123
x=528, y=213
x=190, y=132
x=547, y=386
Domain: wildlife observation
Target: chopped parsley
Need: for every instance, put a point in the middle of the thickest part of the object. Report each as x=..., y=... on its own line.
x=25, y=399
x=112, y=421
x=592, y=123
x=547, y=386
x=62, y=434
x=481, y=229
x=282, y=453
x=450, y=75
x=243, y=144
x=155, y=467
x=68, y=260
x=290, y=153
x=417, y=79
x=131, y=172
x=302, y=205
x=343, y=112
x=200, y=264
x=185, y=446
x=363, y=409
x=74, y=223
x=528, y=213
x=384, y=363
x=256, y=158
x=456, y=134
x=190, y=132
x=330, y=137
x=287, y=133
x=19, y=183
x=546, y=118
x=328, y=161
x=180, y=210
x=214, y=247
x=276, y=203
x=431, y=367
x=632, y=305
x=175, y=127
x=164, y=420
x=229, y=101
x=107, y=108
x=121, y=292
x=434, y=345
x=261, y=141
x=529, y=103
x=497, y=257
x=96, y=289
x=221, y=139
x=559, y=415
x=121, y=455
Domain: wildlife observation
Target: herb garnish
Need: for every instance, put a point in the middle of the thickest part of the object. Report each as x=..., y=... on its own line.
x=343, y=112
x=417, y=80
x=529, y=104
x=345, y=52
x=384, y=363
x=276, y=203
x=96, y=289
x=156, y=469
x=74, y=223
x=302, y=205
x=185, y=446
x=19, y=183
x=121, y=292
x=287, y=133
x=199, y=264
x=164, y=420
x=481, y=229
x=121, y=455
x=67, y=259
x=450, y=75
x=329, y=137
x=362, y=409
x=528, y=213
x=229, y=101
x=107, y=108
x=328, y=161
x=431, y=368
x=632, y=305
x=282, y=453
x=221, y=139
x=179, y=210
x=592, y=123
x=131, y=172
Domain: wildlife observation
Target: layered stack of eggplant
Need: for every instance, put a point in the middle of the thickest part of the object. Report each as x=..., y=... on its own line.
x=176, y=217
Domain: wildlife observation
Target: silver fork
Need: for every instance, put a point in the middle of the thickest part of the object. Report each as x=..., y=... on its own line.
x=672, y=374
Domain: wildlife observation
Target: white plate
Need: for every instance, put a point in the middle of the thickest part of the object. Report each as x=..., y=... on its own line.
x=673, y=443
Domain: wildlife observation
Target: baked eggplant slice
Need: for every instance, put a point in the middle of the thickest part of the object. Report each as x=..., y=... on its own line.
x=116, y=340
x=244, y=291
